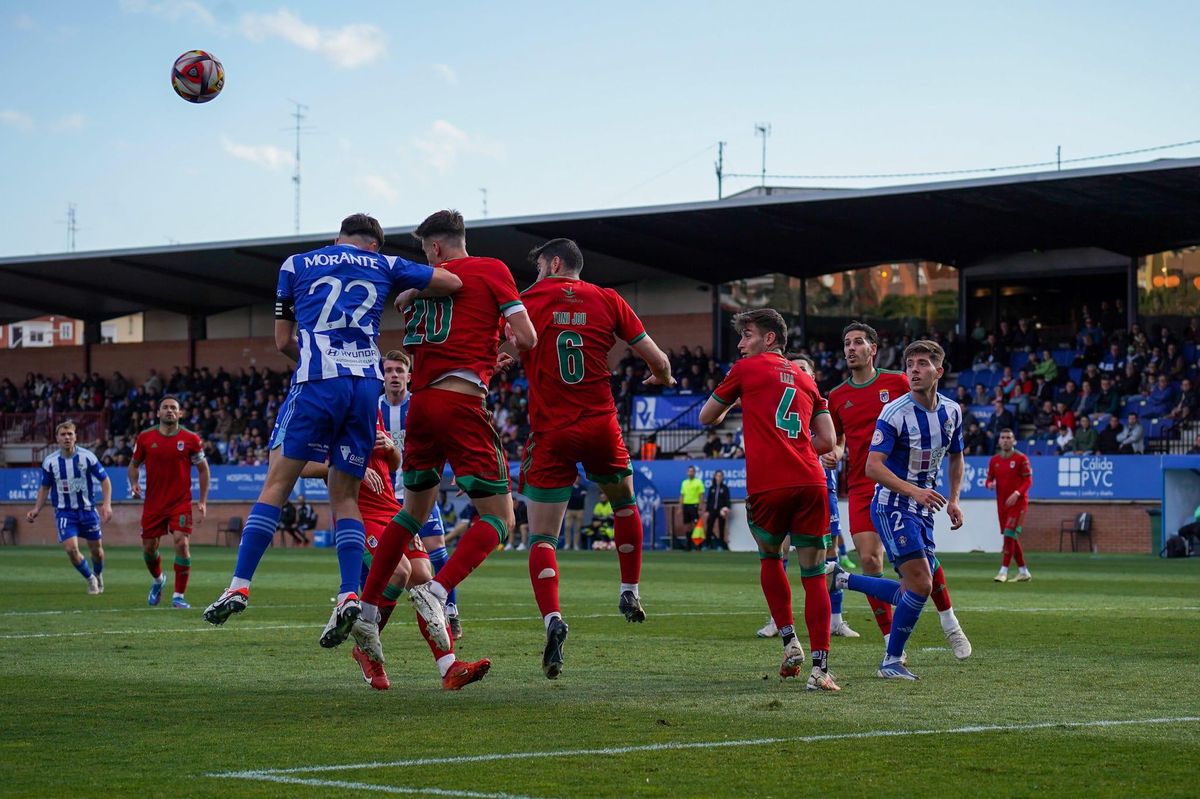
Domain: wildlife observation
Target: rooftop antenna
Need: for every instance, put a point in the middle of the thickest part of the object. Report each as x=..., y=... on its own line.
x=484, y=193
x=763, y=129
x=71, y=227
x=720, y=166
x=299, y=116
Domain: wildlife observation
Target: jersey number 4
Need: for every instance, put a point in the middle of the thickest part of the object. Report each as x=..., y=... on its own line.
x=430, y=321
x=786, y=419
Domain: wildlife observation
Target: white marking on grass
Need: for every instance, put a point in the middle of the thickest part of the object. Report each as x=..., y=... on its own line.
x=367, y=786
x=151, y=631
x=684, y=745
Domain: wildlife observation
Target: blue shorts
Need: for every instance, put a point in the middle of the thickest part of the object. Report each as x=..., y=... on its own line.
x=332, y=419
x=77, y=523
x=905, y=535
x=433, y=526
x=835, y=521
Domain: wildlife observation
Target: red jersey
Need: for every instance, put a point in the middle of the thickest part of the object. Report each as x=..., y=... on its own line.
x=379, y=506
x=168, y=462
x=460, y=333
x=576, y=324
x=855, y=408
x=1013, y=473
x=779, y=402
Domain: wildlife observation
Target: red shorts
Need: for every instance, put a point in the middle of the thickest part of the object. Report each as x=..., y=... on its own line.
x=374, y=528
x=859, y=501
x=802, y=511
x=548, y=467
x=178, y=520
x=448, y=426
x=1012, y=518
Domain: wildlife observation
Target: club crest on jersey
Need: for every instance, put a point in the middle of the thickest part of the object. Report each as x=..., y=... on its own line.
x=948, y=427
x=903, y=540
x=884, y=395
x=179, y=446
x=1012, y=464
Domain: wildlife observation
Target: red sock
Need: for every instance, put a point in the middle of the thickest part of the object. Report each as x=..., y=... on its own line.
x=393, y=544
x=543, y=574
x=181, y=578
x=1008, y=551
x=386, y=606
x=155, y=567
x=816, y=612
x=941, y=596
x=1018, y=552
x=438, y=653
x=627, y=531
x=777, y=591
x=479, y=541
x=882, y=611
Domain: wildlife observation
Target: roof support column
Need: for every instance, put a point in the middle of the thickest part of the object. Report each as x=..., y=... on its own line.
x=802, y=322
x=717, y=339
x=1131, y=293
x=91, y=335
x=197, y=331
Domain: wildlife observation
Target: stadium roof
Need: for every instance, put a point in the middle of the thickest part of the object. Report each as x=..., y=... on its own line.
x=1129, y=209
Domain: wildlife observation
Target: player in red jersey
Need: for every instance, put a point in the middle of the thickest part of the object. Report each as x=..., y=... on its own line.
x=1011, y=475
x=453, y=342
x=572, y=420
x=855, y=406
x=169, y=452
x=787, y=427
x=378, y=504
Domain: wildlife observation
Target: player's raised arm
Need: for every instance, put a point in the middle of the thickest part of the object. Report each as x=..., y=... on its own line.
x=657, y=361
x=285, y=312
x=441, y=284
x=823, y=435
x=524, y=337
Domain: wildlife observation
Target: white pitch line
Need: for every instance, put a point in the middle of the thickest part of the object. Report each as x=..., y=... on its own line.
x=367, y=786
x=621, y=750
x=151, y=631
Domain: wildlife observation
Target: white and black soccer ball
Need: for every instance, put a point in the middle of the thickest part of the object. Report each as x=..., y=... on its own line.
x=197, y=76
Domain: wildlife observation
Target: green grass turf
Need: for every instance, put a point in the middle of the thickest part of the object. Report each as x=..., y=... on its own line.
x=102, y=696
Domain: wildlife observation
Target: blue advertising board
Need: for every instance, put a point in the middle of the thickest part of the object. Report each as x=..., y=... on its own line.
x=651, y=413
x=226, y=484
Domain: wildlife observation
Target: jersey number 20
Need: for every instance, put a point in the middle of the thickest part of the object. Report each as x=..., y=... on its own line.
x=430, y=321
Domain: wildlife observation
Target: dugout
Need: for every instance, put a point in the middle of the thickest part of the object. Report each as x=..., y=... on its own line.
x=1180, y=493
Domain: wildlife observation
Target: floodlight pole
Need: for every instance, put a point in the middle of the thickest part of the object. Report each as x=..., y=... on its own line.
x=720, y=167
x=763, y=129
x=298, y=115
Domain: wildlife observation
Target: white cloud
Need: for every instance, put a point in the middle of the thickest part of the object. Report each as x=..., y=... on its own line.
x=347, y=47
x=381, y=187
x=265, y=155
x=447, y=72
x=16, y=119
x=174, y=10
x=444, y=142
x=68, y=122
x=23, y=22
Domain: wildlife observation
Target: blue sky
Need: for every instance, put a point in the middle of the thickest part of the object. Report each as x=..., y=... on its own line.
x=551, y=107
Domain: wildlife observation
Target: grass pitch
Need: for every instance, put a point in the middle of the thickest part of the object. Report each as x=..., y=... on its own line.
x=1084, y=682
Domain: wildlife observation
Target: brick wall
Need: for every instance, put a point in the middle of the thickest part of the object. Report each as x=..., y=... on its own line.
x=50, y=361
x=135, y=361
x=1116, y=526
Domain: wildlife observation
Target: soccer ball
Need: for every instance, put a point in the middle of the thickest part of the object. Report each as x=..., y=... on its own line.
x=197, y=76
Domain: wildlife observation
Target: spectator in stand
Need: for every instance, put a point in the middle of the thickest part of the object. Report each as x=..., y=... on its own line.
x=1001, y=419
x=1186, y=406
x=712, y=447
x=980, y=397
x=1064, y=417
x=573, y=521
x=1007, y=336
x=975, y=441
x=730, y=449
x=1089, y=353
x=306, y=518
x=1107, y=441
x=1113, y=362
x=1132, y=440
x=1091, y=376
x=1069, y=395
x=1087, y=400
x=289, y=524
x=1130, y=384
x=1089, y=328
x=1174, y=364
x=1046, y=367
x=1109, y=399
x=1062, y=438
x=961, y=395
x=992, y=354
x=1163, y=397
x=1042, y=391
x=978, y=333
x=1086, y=438
x=1006, y=382
x=967, y=416
x=1026, y=336
x=956, y=351
x=1043, y=420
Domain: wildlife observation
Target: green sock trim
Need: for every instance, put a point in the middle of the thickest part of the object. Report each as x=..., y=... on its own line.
x=498, y=524
x=769, y=555
x=407, y=521
x=625, y=503
x=146, y=556
x=800, y=541
x=764, y=536
x=813, y=571
x=609, y=479
x=186, y=562
x=552, y=540
x=935, y=565
x=547, y=495
x=392, y=592
x=367, y=559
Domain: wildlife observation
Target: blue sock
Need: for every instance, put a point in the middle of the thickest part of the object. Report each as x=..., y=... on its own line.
x=908, y=611
x=257, y=535
x=438, y=558
x=835, y=596
x=881, y=588
x=841, y=547
x=351, y=539
x=785, y=564
x=82, y=568
x=97, y=566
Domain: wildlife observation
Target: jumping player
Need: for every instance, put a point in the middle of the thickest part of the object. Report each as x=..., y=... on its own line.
x=786, y=427
x=169, y=452
x=68, y=477
x=327, y=310
x=572, y=420
x=1011, y=476
x=453, y=342
x=855, y=406
x=393, y=404
x=913, y=434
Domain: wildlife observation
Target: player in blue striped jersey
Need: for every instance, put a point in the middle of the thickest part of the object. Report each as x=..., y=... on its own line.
x=393, y=405
x=328, y=306
x=69, y=476
x=912, y=436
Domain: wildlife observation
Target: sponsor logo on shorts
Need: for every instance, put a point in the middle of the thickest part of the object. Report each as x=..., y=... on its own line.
x=372, y=542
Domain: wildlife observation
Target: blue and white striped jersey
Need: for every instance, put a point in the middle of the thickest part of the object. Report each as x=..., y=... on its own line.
x=395, y=417
x=71, y=479
x=914, y=441
x=336, y=296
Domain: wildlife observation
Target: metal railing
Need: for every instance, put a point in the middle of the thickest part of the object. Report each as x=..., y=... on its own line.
x=672, y=436
x=38, y=428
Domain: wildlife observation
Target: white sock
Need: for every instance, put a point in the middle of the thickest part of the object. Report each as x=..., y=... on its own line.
x=949, y=622
x=631, y=587
x=342, y=596
x=835, y=619
x=1004, y=570
x=1023, y=569
x=439, y=591
x=886, y=639
x=238, y=582
x=162, y=578
x=445, y=662
x=370, y=613
x=550, y=616
x=176, y=595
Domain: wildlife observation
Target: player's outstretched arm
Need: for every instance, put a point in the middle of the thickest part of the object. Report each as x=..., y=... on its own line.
x=823, y=435
x=657, y=361
x=285, y=339
x=39, y=503
x=442, y=284
x=713, y=412
x=524, y=337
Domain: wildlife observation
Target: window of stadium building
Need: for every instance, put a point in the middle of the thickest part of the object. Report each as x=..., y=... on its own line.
x=1168, y=287
x=912, y=297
